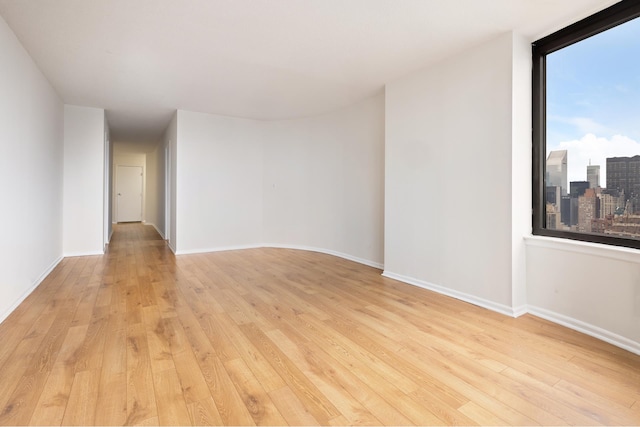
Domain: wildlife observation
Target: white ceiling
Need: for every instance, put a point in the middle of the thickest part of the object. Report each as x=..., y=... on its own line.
x=264, y=59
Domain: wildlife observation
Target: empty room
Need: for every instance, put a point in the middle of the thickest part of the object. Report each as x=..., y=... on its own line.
x=320, y=212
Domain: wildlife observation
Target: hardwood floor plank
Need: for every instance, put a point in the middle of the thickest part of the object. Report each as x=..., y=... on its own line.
x=255, y=398
x=280, y=336
x=111, y=407
x=53, y=400
x=480, y=415
x=194, y=386
x=157, y=340
x=216, y=326
x=22, y=365
x=90, y=356
x=294, y=411
x=20, y=406
x=226, y=397
x=141, y=401
x=227, y=401
x=569, y=400
x=339, y=384
x=318, y=405
x=111, y=404
x=83, y=397
x=204, y=413
x=172, y=409
x=16, y=326
x=264, y=372
x=605, y=404
x=134, y=305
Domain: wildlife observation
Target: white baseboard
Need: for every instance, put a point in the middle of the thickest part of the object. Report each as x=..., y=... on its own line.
x=560, y=319
x=171, y=247
x=90, y=253
x=586, y=328
x=283, y=246
x=32, y=288
x=217, y=249
x=328, y=252
x=472, y=299
x=520, y=311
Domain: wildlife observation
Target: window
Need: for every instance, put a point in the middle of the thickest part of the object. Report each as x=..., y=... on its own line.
x=586, y=129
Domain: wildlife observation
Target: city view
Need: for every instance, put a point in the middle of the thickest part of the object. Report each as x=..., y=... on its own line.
x=587, y=207
x=592, y=171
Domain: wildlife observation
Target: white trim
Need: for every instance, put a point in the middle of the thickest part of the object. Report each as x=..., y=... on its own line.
x=33, y=287
x=218, y=249
x=618, y=253
x=481, y=302
x=520, y=311
x=171, y=247
x=586, y=328
x=75, y=254
x=328, y=252
x=283, y=246
x=560, y=319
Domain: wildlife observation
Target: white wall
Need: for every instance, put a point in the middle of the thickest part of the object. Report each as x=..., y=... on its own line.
x=83, y=181
x=448, y=210
x=589, y=287
x=169, y=146
x=31, y=137
x=312, y=183
x=520, y=170
x=324, y=182
x=108, y=184
x=154, y=190
x=219, y=182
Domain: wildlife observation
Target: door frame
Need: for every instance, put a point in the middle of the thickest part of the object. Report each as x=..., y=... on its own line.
x=167, y=192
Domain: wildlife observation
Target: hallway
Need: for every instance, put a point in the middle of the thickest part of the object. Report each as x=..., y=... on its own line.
x=276, y=337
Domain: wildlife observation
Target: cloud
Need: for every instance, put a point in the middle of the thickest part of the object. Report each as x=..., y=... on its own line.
x=596, y=149
x=583, y=125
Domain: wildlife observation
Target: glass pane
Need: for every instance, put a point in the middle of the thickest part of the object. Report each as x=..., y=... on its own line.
x=592, y=176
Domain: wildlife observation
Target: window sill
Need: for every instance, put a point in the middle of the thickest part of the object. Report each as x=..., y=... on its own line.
x=594, y=249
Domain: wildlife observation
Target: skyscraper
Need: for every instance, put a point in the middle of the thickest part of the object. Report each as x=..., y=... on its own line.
x=557, y=170
x=593, y=175
x=623, y=174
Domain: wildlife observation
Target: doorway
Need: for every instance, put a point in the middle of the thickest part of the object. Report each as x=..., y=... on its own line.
x=129, y=188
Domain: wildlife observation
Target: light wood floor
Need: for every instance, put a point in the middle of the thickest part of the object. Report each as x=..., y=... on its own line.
x=275, y=337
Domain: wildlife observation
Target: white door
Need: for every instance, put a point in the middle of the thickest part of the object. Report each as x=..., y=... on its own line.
x=129, y=193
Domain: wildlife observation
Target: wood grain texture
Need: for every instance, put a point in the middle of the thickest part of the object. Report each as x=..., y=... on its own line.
x=283, y=337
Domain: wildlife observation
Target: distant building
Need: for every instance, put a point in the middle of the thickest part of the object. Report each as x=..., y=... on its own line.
x=553, y=199
x=578, y=188
x=553, y=195
x=587, y=210
x=611, y=203
x=623, y=174
x=556, y=172
x=553, y=217
x=565, y=211
x=593, y=175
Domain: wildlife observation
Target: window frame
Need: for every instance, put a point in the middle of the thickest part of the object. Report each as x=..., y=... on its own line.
x=615, y=15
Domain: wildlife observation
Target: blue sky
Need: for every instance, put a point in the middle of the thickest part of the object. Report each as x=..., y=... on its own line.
x=593, y=99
